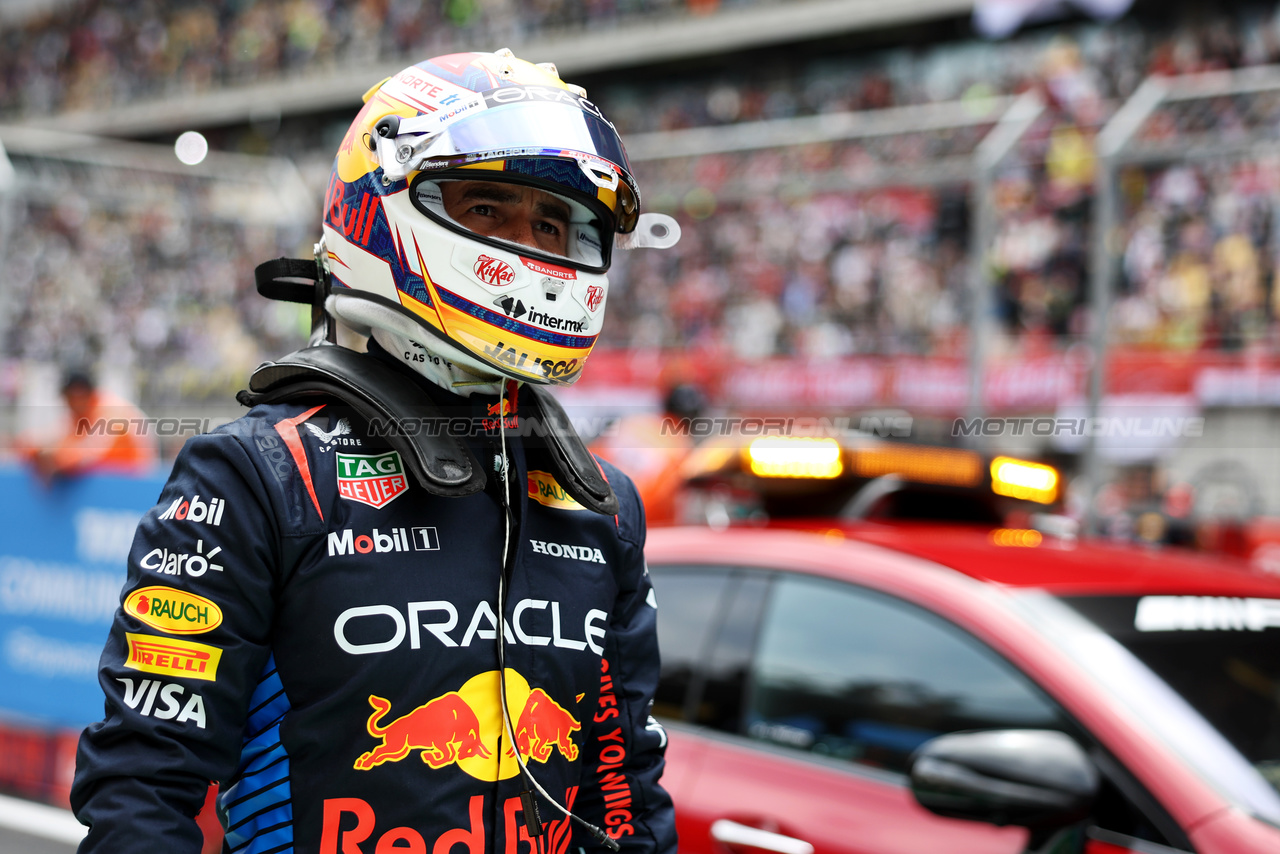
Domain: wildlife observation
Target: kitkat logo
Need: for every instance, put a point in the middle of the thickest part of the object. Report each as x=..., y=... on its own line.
x=175, y=612
x=595, y=296
x=491, y=271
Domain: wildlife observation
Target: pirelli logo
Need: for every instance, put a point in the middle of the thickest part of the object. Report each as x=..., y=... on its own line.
x=173, y=657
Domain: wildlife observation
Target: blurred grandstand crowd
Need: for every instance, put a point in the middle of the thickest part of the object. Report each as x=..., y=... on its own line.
x=790, y=266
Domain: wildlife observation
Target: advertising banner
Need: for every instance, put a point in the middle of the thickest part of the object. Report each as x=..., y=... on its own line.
x=63, y=548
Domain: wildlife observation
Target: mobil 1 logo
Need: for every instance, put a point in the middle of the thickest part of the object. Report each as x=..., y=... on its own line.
x=423, y=539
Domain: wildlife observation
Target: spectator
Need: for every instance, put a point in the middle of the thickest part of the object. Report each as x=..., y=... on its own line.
x=103, y=433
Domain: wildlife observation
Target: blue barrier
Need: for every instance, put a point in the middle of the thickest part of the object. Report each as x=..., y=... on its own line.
x=63, y=548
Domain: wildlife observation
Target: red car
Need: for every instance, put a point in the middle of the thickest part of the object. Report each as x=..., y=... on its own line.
x=808, y=676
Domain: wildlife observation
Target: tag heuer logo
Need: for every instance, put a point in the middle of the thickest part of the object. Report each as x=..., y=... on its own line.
x=373, y=480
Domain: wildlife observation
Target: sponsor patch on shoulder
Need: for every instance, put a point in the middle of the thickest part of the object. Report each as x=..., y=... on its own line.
x=544, y=489
x=173, y=611
x=376, y=480
x=172, y=657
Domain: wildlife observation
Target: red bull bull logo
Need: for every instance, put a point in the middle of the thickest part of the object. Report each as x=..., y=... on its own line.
x=445, y=730
x=506, y=409
x=543, y=726
x=507, y=404
x=465, y=728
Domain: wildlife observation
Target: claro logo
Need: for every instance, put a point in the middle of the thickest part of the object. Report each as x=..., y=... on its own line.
x=534, y=622
x=175, y=612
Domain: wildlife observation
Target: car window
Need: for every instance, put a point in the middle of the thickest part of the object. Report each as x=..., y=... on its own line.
x=688, y=601
x=716, y=697
x=857, y=675
x=1222, y=654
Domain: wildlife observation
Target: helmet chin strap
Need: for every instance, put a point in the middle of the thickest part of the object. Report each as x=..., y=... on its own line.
x=433, y=359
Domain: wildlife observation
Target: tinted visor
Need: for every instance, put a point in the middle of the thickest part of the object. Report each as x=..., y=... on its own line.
x=533, y=127
x=529, y=219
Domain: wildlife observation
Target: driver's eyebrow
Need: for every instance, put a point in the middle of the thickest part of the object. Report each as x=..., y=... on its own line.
x=490, y=193
x=552, y=210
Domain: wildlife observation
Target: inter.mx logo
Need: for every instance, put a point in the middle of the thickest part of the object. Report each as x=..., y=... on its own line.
x=373, y=480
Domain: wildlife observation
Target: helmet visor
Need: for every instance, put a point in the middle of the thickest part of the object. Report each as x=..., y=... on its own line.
x=533, y=129
x=528, y=219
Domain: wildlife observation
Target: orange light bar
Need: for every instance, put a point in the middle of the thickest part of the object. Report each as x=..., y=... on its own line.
x=946, y=466
x=1026, y=480
x=1017, y=537
x=786, y=456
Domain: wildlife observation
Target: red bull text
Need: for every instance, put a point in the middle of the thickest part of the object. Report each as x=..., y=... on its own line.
x=340, y=812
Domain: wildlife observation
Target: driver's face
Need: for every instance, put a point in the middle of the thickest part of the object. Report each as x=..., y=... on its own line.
x=510, y=212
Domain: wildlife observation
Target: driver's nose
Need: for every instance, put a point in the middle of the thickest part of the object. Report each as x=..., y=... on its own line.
x=517, y=229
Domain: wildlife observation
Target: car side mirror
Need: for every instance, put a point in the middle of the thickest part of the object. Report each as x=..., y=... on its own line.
x=1038, y=779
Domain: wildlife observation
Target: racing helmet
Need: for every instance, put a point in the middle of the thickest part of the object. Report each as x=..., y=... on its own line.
x=474, y=207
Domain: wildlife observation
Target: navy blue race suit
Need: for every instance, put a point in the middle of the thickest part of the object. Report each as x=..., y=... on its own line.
x=306, y=625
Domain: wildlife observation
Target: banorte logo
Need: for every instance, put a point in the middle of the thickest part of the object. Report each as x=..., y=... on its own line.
x=491, y=271
x=463, y=727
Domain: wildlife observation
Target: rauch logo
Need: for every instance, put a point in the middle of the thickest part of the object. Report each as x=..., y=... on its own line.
x=175, y=612
x=373, y=480
x=544, y=489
